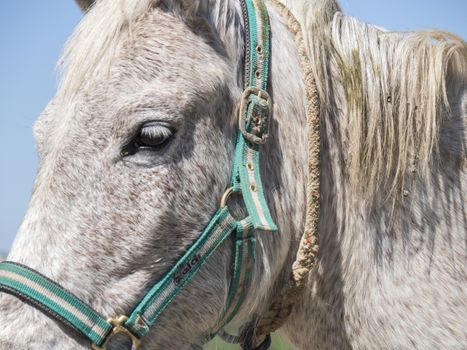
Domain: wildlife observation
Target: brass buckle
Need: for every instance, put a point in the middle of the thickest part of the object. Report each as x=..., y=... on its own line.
x=254, y=119
x=118, y=324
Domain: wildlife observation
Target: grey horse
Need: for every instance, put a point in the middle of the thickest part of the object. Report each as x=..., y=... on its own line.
x=164, y=77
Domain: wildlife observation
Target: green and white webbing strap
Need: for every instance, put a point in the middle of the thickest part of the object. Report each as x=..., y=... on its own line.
x=57, y=302
x=244, y=256
x=164, y=291
x=257, y=43
x=54, y=300
x=254, y=119
x=255, y=114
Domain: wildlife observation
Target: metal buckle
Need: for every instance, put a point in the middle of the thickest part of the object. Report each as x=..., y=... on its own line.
x=119, y=330
x=255, y=112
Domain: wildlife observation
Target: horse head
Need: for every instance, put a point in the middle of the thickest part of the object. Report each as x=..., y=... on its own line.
x=136, y=150
x=139, y=145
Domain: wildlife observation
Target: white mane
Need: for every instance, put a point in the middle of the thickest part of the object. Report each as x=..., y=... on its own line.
x=391, y=86
x=96, y=40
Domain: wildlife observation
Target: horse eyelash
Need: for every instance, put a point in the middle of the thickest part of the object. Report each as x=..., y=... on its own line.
x=156, y=131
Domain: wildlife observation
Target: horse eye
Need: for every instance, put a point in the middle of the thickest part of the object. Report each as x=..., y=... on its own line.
x=152, y=136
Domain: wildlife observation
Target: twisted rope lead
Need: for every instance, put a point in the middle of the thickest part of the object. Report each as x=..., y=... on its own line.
x=305, y=261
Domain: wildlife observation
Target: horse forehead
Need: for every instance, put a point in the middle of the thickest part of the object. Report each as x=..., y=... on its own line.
x=163, y=63
x=164, y=47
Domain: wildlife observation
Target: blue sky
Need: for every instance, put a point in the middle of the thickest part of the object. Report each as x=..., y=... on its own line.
x=32, y=35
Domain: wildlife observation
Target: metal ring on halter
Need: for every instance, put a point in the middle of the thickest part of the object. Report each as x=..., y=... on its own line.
x=119, y=330
x=228, y=192
x=246, y=339
x=266, y=344
x=225, y=197
x=248, y=343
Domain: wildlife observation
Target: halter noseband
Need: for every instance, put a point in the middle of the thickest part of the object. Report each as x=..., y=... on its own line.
x=254, y=119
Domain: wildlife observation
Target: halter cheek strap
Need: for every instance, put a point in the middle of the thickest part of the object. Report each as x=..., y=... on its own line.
x=254, y=119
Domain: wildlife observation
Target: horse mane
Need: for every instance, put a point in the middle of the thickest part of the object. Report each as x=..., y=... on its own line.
x=97, y=39
x=93, y=44
x=391, y=88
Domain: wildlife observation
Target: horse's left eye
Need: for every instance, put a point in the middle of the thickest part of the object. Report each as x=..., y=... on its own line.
x=152, y=136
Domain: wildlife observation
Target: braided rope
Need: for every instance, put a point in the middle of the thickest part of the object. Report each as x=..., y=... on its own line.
x=305, y=261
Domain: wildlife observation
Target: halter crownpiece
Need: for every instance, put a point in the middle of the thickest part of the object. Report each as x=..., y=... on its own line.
x=255, y=113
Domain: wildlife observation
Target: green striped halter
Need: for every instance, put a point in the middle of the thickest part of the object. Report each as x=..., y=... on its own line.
x=254, y=116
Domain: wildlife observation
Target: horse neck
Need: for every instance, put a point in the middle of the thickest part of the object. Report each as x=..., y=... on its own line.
x=376, y=261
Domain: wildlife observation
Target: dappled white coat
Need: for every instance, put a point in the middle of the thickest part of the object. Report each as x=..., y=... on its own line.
x=391, y=271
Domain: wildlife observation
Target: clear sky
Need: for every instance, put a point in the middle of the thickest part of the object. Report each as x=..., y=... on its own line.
x=32, y=35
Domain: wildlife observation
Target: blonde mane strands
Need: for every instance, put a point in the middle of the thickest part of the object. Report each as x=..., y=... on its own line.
x=95, y=42
x=391, y=88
